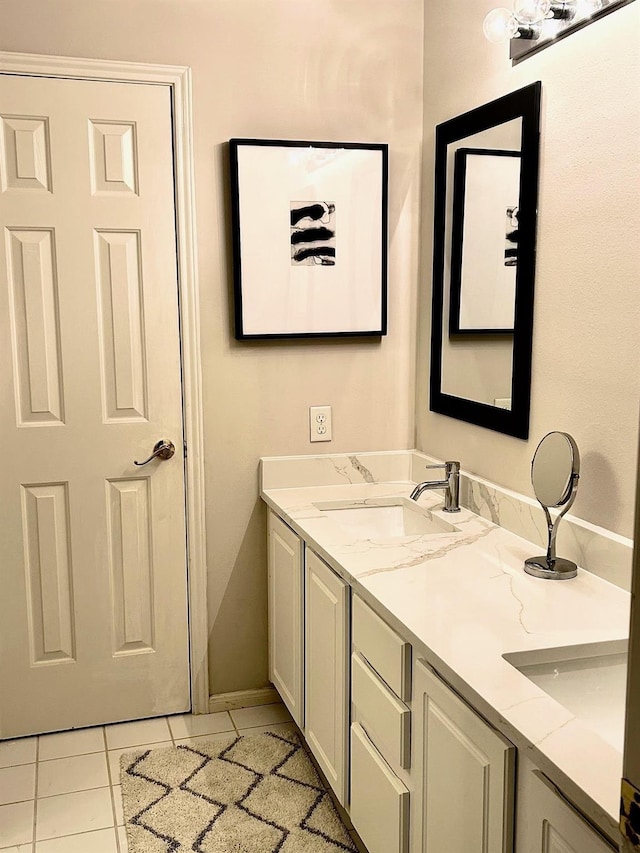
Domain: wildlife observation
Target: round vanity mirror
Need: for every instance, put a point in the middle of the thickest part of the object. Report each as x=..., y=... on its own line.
x=555, y=462
x=555, y=470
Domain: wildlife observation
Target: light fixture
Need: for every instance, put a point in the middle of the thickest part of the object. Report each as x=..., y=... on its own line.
x=531, y=24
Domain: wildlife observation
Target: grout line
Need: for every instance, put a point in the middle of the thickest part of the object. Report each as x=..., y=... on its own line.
x=111, y=791
x=75, y=791
x=233, y=723
x=65, y=757
x=69, y=835
x=35, y=795
x=173, y=740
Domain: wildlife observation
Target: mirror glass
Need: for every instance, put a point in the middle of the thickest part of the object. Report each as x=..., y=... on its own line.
x=484, y=262
x=553, y=469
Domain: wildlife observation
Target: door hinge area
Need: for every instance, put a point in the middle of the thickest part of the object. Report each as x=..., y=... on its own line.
x=630, y=817
x=184, y=446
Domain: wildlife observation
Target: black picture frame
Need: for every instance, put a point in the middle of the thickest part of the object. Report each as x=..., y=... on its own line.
x=462, y=157
x=522, y=104
x=309, y=228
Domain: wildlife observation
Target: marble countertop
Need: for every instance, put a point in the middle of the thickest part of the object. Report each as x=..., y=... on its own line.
x=463, y=600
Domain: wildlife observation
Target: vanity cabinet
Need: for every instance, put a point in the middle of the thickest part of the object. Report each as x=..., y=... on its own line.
x=327, y=671
x=464, y=774
x=415, y=766
x=546, y=821
x=286, y=635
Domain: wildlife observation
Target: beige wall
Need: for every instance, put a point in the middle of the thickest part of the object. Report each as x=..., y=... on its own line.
x=299, y=69
x=586, y=353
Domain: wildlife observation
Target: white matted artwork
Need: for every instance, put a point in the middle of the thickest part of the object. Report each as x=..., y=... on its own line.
x=485, y=237
x=309, y=238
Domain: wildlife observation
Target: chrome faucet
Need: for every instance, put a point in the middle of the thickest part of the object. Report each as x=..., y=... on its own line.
x=451, y=486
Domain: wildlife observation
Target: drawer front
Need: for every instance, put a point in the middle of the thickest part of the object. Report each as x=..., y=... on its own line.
x=386, y=720
x=387, y=653
x=379, y=801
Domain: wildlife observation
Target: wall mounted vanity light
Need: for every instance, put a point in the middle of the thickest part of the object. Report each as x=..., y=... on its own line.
x=531, y=25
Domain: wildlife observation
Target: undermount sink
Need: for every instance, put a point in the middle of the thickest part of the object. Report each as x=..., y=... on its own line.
x=590, y=681
x=385, y=518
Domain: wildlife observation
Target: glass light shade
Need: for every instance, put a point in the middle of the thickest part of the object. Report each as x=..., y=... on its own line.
x=531, y=11
x=586, y=8
x=500, y=25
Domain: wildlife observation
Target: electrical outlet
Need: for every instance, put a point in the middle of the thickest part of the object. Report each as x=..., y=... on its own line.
x=320, y=423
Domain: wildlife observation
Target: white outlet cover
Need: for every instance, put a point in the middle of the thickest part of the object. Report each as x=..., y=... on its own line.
x=320, y=427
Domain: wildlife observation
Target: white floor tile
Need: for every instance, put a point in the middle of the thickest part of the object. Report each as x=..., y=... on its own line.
x=194, y=725
x=17, y=823
x=275, y=727
x=77, y=742
x=17, y=783
x=137, y=733
x=20, y=751
x=225, y=737
x=122, y=837
x=68, y=814
x=101, y=841
x=117, y=802
x=260, y=715
x=77, y=773
x=114, y=757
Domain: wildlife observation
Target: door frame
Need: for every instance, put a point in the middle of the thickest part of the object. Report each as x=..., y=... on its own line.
x=178, y=78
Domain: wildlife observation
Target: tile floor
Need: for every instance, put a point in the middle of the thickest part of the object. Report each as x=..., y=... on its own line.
x=60, y=793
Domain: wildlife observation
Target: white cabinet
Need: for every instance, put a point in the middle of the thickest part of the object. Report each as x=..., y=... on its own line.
x=464, y=769
x=547, y=823
x=286, y=635
x=327, y=671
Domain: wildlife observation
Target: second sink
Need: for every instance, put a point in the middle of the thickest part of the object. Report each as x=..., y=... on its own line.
x=590, y=681
x=385, y=518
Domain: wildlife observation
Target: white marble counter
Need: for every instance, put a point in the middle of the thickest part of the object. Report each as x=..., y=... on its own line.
x=463, y=600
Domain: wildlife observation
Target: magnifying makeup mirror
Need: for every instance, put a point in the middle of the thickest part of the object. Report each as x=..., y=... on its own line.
x=555, y=470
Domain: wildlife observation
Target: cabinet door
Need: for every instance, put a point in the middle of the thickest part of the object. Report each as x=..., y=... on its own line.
x=464, y=801
x=327, y=671
x=548, y=824
x=285, y=616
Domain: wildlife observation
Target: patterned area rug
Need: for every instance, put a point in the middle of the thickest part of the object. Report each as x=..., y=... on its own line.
x=251, y=794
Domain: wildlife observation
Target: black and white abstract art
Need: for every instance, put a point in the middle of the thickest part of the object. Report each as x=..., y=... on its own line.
x=310, y=229
x=313, y=233
x=512, y=237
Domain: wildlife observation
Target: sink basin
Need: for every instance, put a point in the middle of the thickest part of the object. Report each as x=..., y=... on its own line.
x=590, y=681
x=385, y=518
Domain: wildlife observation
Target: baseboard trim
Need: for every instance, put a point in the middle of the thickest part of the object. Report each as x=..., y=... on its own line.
x=243, y=699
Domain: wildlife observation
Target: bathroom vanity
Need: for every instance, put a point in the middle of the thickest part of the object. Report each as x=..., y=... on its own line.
x=453, y=702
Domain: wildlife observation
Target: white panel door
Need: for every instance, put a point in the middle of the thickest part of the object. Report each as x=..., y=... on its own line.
x=286, y=639
x=93, y=606
x=327, y=671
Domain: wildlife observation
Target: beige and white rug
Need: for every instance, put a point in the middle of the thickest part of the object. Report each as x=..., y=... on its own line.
x=250, y=794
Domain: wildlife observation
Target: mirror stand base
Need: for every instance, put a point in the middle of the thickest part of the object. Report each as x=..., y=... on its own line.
x=556, y=570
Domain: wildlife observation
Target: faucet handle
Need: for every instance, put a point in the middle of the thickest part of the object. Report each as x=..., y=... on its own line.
x=450, y=465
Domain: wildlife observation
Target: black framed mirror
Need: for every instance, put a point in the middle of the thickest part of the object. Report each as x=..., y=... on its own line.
x=486, y=189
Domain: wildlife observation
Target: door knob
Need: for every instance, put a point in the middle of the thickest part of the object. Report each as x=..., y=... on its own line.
x=161, y=450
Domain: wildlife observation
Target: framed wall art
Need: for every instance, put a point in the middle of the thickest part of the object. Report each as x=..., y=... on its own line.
x=309, y=224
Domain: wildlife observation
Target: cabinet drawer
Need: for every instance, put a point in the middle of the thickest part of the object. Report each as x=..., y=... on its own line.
x=386, y=720
x=387, y=653
x=379, y=801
